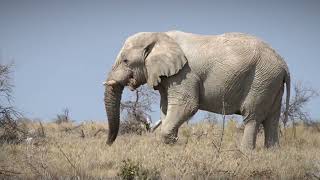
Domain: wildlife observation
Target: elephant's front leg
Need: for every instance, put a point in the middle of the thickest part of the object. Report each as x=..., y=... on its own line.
x=163, y=108
x=179, y=110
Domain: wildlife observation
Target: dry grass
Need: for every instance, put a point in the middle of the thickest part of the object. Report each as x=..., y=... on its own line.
x=65, y=154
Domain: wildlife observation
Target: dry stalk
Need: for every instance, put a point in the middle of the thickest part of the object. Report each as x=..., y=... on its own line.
x=67, y=158
x=41, y=130
x=8, y=173
x=82, y=134
x=223, y=126
x=96, y=133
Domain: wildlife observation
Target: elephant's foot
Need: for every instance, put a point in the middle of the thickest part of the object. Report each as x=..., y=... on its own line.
x=246, y=146
x=273, y=145
x=169, y=139
x=245, y=150
x=271, y=140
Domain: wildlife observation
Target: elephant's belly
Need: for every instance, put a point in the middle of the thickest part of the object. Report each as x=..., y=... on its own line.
x=215, y=98
x=215, y=105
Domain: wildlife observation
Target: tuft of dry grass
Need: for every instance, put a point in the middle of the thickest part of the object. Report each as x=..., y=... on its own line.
x=64, y=154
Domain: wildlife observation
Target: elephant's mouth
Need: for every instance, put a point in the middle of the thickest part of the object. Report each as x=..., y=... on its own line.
x=133, y=84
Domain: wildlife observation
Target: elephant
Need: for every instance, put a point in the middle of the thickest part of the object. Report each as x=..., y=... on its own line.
x=230, y=73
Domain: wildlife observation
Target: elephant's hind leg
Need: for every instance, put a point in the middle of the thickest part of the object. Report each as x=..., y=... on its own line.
x=271, y=130
x=271, y=123
x=253, y=114
x=248, y=141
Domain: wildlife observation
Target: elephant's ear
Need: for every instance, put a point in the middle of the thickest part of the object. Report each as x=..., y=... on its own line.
x=163, y=57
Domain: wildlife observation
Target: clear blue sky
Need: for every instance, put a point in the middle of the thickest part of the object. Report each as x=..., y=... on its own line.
x=63, y=49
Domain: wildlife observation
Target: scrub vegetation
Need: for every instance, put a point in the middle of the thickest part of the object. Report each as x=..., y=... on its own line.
x=73, y=151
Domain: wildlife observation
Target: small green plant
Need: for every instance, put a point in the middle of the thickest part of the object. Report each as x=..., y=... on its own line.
x=131, y=170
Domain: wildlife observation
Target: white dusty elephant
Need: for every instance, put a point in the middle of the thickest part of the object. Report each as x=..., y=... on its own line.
x=232, y=73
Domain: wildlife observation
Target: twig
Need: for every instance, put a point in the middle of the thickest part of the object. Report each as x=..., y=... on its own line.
x=68, y=159
x=214, y=144
x=294, y=129
x=8, y=173
x=223, y=123
x=95, y=134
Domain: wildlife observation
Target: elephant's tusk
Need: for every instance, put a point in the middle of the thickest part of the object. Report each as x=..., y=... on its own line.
x=111, y=82
x=131, y=88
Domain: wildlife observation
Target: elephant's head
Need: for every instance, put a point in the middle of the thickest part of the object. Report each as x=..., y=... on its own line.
x=144, y=58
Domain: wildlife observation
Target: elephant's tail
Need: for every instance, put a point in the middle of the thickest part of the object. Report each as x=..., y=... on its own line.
x=287, y=81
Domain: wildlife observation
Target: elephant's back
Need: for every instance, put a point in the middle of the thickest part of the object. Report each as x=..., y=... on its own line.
x=228, y=46
x=242, y=44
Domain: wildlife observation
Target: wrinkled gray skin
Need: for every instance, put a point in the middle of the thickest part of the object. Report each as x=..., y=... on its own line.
x=232, y=73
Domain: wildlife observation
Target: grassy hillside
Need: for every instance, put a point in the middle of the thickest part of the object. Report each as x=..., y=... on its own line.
x=70, y=151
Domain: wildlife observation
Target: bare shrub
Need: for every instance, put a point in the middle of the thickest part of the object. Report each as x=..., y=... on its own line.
x=130, y=125
x=9, y=127
x=136, y=118
x=131, y=170
x=64, y=117
x=11, y=131
x=297, y=106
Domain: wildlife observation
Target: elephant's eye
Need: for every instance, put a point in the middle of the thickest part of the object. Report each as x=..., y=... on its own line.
x=125, y=61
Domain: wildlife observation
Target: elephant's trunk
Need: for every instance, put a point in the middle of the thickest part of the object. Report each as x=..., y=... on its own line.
x=112, y=98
